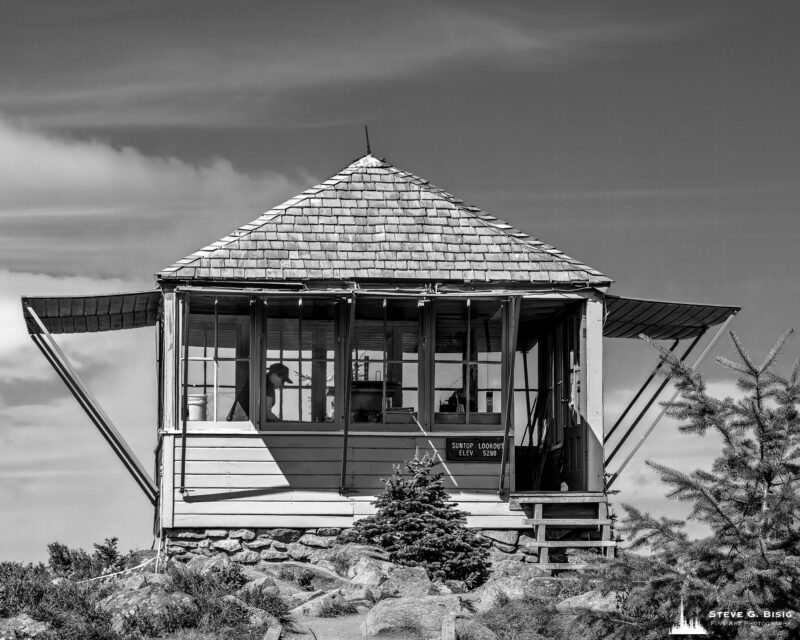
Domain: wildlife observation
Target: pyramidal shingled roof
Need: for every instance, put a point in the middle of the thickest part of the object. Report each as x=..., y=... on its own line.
x=374, y=221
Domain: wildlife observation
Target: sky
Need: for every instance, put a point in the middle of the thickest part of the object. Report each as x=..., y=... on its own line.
x=658, y=142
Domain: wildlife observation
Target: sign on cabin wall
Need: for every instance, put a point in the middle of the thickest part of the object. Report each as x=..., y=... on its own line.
x=474, y=449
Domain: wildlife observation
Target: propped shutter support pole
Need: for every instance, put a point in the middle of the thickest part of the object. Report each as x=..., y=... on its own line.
x=58, y=360
x=663, y=411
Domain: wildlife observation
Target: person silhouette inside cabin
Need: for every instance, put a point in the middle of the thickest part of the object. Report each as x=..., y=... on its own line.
x=277, y=376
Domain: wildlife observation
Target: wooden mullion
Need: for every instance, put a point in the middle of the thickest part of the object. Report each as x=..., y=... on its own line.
x=184, y=396
x=300, y=359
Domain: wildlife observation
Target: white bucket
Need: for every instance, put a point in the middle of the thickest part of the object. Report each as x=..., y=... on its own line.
x=198, y=405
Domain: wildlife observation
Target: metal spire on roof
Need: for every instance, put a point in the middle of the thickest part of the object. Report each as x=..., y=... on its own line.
x=366, y=133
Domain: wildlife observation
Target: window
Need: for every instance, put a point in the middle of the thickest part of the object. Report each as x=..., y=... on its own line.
x=467, y=361
x=217, y=353
x=385, y=362
x=299, y=351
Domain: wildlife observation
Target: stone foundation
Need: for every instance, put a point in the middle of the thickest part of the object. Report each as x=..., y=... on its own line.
x=252, y=546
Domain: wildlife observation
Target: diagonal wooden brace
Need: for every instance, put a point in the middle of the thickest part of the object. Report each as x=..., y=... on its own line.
x=58, y=360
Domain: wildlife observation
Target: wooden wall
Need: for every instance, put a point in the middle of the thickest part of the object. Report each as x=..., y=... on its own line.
x=291, y=480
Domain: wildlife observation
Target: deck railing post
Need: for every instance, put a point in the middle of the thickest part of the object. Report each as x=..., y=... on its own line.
x=347, y=370
x=508, y=409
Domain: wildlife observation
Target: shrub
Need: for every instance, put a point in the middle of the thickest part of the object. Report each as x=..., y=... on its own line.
x=268, y=600
x=223, y=616
x=520, y=619
x=419, y=526
x=68, y=608
x=304, y=579
x=77, y=564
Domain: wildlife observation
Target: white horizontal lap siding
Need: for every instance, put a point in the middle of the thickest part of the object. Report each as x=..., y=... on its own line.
x=275, y=480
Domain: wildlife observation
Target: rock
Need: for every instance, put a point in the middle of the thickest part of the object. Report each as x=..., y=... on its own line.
x=317, y=577
x=259, y=584
x=311, y=540
x=328, y=532
x=185, y=544
x=191, y=535
x=133, y=582
x=419, y=615
x=252, y=573
x=160, y=579
x=356, y=592
x=341, y=557
x=246, y=557
x=591, y=600
x=447, y=587
x=507, y=537
x=301, y=597
x=158, y=605
x=22, y=626
x=270, y=555
x=242, y=534
x=316, y=605
x=228, y=545
x=327, y=564
x=298, y=551
x=528, y=545
x=474, y=630
x=515, y=567
x=404, y=582
x=216, y=533
x=278, y=546
x=281, y=535
x=255, y=615
x=505, y=548
x=204, y=544
x=511, y=587
x=259, y=544
x=206, y=565
x=388, y=580
x=369, y=572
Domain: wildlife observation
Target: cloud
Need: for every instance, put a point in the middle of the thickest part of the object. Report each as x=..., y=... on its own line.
x=249, y=70
x=71, y=206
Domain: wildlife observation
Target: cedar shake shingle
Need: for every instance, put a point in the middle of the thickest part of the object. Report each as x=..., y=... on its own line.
x=374, y=221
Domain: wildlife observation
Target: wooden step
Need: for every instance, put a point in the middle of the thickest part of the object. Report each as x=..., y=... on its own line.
x=563, y=544
x=574, y=522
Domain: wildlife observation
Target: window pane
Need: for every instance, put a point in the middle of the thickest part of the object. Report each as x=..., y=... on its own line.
x=486, y=330
x=467, y=365
x=384, y=387
x=233, y=391
x=221, y=330
x=300, y=345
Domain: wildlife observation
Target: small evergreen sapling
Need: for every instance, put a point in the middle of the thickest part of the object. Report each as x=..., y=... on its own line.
x=419, y=526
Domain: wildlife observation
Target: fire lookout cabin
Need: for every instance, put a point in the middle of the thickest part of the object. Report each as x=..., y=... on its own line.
x=368, y=320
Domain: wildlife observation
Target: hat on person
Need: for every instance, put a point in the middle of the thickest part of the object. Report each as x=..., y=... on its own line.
x=281, y=369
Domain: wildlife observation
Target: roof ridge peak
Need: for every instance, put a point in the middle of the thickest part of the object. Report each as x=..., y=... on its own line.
x=369, y=161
